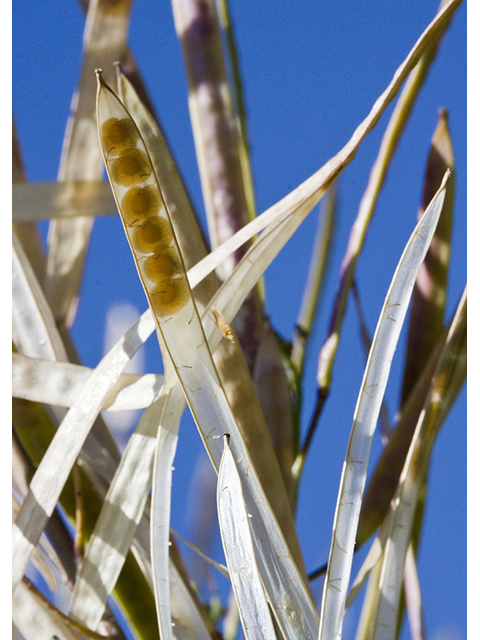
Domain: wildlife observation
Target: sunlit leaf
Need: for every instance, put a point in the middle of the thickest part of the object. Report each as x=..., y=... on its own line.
x=53, y=471
x=58, y=383
x=365, y=419
x=301, y=200
x=118, y=520
x=33, y=201
x=105, y=32
x=448, y=379
x=37, y=619
x=239, y=552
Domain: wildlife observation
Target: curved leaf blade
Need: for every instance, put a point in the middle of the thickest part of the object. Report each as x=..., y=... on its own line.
x=449, y=377
x=365, y=418
x=240, y=555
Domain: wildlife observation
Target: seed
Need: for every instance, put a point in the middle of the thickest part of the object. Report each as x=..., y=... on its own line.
x=169, y=297
x=131, y=167
x=118, y=134
x=159, y=268
x=139, y=203
x=153, y=236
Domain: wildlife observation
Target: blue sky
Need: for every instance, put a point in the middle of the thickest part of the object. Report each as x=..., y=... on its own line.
x=311, y=73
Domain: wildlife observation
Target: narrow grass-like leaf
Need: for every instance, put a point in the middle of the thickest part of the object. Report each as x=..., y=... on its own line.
x=131, y=590
x=164, y=454
x=184, y=344
x=35, y=334
x=59, y=383
x=104, y=38
x=62, y=453
x=188, y=622
x=413, y=597
x=27, y=232
x=364, y=628
x=385, y=428
x=303, y=327
x=365, y=418
x=447, y=380
x=220, y=150
x=301, y=200
x=315, y=279
x=238, y=546
x=390, y=140
x=33, y=201
x=214, y=121
x=384, y=478
x=34, y=330
x=37, y=619
x=175, y=605
x=221, y=568
x=372, y=559
x=118, y=520
x=430, y=292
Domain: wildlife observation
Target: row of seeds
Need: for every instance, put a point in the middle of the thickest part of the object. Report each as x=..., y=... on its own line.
x=144, y=215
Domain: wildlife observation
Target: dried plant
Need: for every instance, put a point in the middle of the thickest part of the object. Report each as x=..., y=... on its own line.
x=95, y=518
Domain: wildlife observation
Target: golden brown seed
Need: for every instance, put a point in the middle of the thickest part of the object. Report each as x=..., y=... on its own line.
x=131, y=167
x=159, y=268
x=169, y=297
x=118, y=134
x=153, y=236
x=139, y=203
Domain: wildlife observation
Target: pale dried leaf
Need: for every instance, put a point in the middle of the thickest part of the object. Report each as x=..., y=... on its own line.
x=59, y=383
x=239, y=552
x=365, y=419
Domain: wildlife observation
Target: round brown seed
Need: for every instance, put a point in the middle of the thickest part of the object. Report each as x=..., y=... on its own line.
x=131, y=167
x=153, y=236
x=159, y=268
x=118, y=134
x=140, y=203
x=168, y=298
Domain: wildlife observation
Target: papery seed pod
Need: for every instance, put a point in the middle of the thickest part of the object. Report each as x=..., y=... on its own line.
x=167, y=298
x=141, y=206
x=152, y=236
x=140, y=203
x=132, y=167
x=159, y=268
x=118, y=134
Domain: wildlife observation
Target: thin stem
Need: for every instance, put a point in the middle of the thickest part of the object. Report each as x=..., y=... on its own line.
x=366, y=210
x=302, y=454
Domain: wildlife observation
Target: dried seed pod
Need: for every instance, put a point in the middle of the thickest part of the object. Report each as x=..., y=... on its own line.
x=140, y=203
x=132, y=167
x=159, y=268
x=169, y=297
x=141, y=207
x=118, y=134
x=151, y=237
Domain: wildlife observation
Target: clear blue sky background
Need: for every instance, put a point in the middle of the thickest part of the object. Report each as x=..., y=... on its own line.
x=311, y=73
